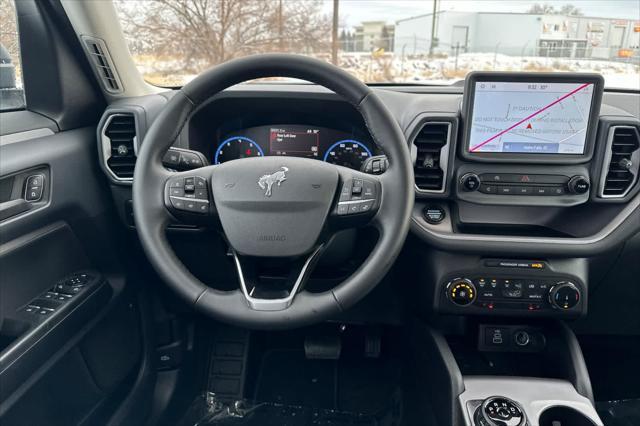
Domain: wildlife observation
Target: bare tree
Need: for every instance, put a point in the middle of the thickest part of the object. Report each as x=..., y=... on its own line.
x=571, y=10
x=548, y=9
x=9, y=29
x=206, y=32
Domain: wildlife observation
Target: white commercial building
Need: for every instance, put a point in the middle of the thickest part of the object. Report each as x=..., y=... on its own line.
x=519, y=34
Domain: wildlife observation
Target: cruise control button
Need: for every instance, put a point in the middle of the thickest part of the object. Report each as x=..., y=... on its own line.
x=366, y=206
x=191, y=206
x=345, y=192
x=354, y=208
x=342, y=209
x=369, y=190
x=202, y=206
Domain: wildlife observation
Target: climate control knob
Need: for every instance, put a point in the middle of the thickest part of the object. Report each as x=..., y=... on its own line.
x=461, y=291
x=564, y=295
x=578, y=185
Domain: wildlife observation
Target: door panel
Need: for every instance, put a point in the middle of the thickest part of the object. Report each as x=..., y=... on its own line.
x=70, y=327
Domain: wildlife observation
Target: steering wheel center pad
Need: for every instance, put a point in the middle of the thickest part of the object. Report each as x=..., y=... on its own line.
x=392, y=219
x=273, y=206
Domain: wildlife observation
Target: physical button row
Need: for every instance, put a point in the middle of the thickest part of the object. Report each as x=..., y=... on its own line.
x=512, y=288
x=189, y=194
x=354, y=207
x=358, y=189
x=190, y=187
x=522, y=190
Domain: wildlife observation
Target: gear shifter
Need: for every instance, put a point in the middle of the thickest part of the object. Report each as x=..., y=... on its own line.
x=499, y=411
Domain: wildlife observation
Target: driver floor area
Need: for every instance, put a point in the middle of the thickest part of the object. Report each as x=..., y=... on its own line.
x=286, y=388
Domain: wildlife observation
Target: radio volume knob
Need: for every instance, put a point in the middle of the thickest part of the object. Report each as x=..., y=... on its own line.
x=578, y=185
x=564, y=295
x=461, y=292
x=470, y=182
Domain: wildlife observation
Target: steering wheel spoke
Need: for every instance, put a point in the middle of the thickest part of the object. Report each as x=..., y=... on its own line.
x=272, y=297
x=358, y=200
x=188, y=196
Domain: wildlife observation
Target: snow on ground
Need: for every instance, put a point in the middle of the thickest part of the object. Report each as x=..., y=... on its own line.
x=420, y=69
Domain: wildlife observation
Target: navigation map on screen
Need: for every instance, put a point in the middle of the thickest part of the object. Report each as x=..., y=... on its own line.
x=530, y=118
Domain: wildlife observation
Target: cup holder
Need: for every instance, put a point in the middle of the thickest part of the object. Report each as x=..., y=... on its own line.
x=564, y=416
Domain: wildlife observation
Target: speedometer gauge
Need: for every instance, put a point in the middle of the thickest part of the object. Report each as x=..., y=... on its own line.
x=237, y=147
x=348, y=153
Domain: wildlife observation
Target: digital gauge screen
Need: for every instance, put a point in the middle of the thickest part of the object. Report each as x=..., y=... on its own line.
x=297, y=142
x=343, y=148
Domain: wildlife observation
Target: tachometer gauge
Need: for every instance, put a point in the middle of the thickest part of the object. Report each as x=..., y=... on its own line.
x=348, y=153
x=237, y=147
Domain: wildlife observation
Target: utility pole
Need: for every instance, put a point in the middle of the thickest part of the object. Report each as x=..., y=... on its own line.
x=433, y=28
x=334, y=34
x=280, y=27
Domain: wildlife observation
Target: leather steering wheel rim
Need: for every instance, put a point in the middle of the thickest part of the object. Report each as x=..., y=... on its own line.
x=392, y=218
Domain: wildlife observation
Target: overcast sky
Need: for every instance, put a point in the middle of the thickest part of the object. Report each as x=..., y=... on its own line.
x=352, y=12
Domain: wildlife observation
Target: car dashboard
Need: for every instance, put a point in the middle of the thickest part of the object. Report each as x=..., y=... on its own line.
x=506, y=220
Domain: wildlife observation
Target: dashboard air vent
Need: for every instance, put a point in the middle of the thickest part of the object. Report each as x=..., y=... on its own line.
x=119, y=145
x=623, y=156
x=104, y=66
x=432, y=150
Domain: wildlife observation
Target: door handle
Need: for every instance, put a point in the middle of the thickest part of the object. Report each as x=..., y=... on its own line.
x=14, y=207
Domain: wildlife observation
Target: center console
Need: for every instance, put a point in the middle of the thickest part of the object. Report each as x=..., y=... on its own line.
x=473, y=384
x=531, y=402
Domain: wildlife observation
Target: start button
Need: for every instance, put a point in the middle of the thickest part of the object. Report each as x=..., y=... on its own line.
x=433, y=214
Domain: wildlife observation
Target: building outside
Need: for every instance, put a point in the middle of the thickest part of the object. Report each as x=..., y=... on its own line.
x=520, y=34
x=373, y=35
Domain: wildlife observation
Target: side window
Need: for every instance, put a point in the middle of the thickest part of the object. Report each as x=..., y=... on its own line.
x=11, y=90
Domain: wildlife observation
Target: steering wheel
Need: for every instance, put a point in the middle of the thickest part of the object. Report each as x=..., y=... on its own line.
x=273, y=207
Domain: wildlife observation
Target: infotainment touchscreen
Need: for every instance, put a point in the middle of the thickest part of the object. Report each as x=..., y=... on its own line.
x=530, y=117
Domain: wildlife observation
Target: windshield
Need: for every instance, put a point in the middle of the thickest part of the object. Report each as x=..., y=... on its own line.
x=394, y=42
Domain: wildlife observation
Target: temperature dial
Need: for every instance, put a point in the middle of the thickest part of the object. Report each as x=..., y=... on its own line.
x=564, y=295
x=461, y=291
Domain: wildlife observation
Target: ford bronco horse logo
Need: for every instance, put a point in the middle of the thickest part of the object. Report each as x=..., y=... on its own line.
x=266, y=182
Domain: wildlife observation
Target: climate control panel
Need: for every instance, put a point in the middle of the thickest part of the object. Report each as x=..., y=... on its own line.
x=506, y=294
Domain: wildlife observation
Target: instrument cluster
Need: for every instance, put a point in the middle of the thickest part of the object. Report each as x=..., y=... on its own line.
x=321, y=143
